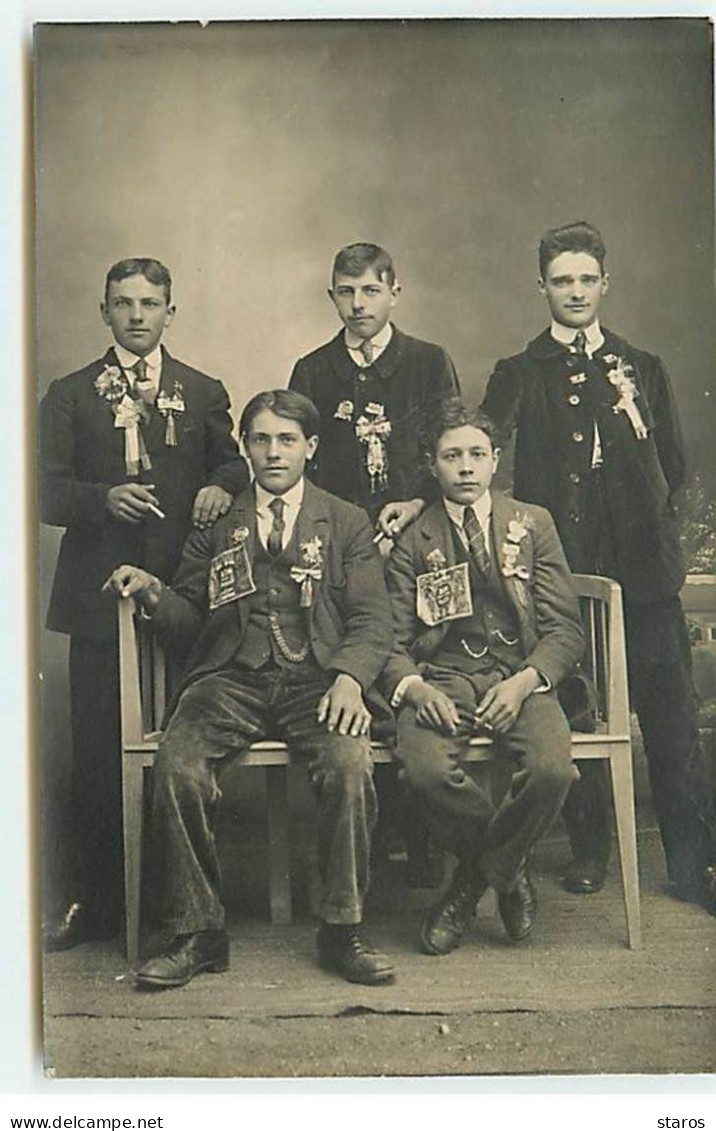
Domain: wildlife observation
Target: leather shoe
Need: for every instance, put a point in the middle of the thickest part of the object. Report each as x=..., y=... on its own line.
x=518, y=907
x=585, y=877
x=347, y=950
x=186, y=956
x=75, y=926
x=446, y=922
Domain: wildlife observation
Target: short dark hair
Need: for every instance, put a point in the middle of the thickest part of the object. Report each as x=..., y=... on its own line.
x=153, y=271
x=579, y=236
x=358, y=257
x=452, y=413
x=284, y=402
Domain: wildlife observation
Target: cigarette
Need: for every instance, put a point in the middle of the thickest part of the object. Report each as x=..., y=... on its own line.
x=379, y=537
x=156, y=510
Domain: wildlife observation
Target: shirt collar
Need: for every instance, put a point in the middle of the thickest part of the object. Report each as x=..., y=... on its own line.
x=482, y=508
x=292, y=498
x=379, y=341
x=565, y=335
x=127, y=359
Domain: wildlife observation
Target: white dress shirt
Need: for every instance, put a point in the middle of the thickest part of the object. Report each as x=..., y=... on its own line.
x=379, y=342
x=264, y=515
x=565, y=335
x=153, y=360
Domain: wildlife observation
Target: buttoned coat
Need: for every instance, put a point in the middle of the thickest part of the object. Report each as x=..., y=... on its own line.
x=408, y=378
x=82, y=456
x=533, y=393
x=545, y=603
x=348, y=622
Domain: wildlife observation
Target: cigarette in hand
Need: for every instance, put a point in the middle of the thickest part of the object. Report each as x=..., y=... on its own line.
x=379, y=537
x=156, y=510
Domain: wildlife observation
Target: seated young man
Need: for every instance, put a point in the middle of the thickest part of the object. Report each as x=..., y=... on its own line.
x=486, y=626
x=371, y=384
x=286, y=603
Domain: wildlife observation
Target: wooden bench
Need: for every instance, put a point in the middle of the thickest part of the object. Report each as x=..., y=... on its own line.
x=142, y=692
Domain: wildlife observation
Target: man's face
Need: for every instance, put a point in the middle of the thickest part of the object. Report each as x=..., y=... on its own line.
x=573, y=286
x=363, y=302
x=464, y=464
x=278, y=451
x=137, y=313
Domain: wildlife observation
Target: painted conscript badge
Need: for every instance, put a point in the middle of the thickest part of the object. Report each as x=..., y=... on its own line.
x=230, y=576
x=444, y=594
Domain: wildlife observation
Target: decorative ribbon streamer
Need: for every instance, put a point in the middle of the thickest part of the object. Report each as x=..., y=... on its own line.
x=127, y=415
x=374, y=433
x=305, y=576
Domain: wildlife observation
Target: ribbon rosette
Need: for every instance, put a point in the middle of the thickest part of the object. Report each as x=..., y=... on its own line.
x=620, y=375
x=111, y=384
x=373, y=429
x=344, y=411
x=511, y=550
x=168, y=406
x=311, y=570
x=127, y=415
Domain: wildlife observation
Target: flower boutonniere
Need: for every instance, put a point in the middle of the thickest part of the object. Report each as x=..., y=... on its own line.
x=620, y=374
x=344, y=410
x=310, y=570
x=436, y=559
x=511, y=552
x=169, y=406
x=112, y=386
x=373, y=429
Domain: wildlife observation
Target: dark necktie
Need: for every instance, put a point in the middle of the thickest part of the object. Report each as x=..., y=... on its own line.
x=580, y=343
x=476, y=541
x=275, y=538
x=144, y=390
x=366, y=348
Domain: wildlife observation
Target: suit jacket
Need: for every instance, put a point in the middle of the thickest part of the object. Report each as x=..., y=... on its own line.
x=348, y=624
x=531, y=394
x=408, y=378
x=546, y=606
x=82, y=456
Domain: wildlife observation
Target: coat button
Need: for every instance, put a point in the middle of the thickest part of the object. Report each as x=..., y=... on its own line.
x=578, y=437
x=574, y=399
x=574, y=517
x=574, y=478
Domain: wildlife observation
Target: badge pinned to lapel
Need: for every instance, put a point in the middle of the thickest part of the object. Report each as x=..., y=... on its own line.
x=443, y=594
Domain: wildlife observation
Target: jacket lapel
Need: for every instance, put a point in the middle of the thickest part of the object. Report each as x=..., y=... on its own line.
x=436, y=534
x=313, y=521
x=504, y=511
x=243, y=515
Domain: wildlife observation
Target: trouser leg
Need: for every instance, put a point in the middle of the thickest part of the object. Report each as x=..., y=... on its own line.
x=220, y=714
x=340, y=771
x=95, y=836
x=664, y=699
x=459, y=812
x=586, y=813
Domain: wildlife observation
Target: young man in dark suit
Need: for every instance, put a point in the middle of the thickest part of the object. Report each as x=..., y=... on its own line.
x=486, y=626
x=598, y=443
x=134, y=449
x=371, y=385
x=284, y=606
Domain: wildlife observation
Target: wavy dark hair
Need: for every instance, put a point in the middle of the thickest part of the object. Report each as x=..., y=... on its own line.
x=153, y=271
x=579, y=236
x=284, y=402
x=449, y=414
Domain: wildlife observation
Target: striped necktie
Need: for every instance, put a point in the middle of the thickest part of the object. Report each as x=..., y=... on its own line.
x=476, y=541
x=367, y=349
x=275, y=538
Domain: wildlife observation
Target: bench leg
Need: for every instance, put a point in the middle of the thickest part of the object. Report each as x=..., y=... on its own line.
x=132, y=819
x=623, y=793
x=278, y=832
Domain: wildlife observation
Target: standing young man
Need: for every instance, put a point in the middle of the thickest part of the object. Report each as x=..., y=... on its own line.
x=134, y=449
x=285, y=605
x=371, y=385
x=598, y=443
x=486, y=626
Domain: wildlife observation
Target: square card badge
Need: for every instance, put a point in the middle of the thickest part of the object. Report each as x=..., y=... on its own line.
x=444, y=594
